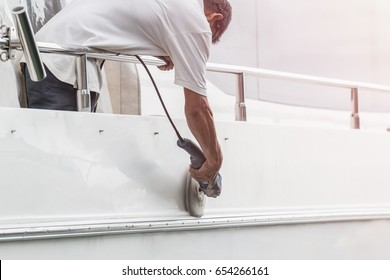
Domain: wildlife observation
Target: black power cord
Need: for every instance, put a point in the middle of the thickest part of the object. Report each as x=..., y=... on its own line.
x=160, y=97
x=196, y=155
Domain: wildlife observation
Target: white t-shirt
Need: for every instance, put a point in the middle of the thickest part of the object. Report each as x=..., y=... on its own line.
x=174, y=28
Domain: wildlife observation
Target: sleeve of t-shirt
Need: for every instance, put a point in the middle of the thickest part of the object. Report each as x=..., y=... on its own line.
x=190, y=52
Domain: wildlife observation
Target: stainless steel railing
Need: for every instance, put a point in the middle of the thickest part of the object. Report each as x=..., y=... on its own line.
x=240, y=72
x=27, y=40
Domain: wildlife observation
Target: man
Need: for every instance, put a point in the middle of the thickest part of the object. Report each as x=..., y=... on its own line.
x=178, y=31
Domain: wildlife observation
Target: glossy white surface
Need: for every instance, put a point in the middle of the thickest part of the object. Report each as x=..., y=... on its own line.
x=69, y=168
x=89, y=164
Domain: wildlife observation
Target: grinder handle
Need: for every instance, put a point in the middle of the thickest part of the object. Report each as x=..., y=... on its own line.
x=197, y=158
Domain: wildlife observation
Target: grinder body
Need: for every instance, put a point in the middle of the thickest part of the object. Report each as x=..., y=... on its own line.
x=197, y=159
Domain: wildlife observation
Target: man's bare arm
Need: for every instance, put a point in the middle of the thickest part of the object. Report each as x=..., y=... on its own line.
x=201, y=123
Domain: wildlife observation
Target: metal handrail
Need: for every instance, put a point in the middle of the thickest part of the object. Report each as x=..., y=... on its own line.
x=241, y=72
x=264, y=73
x=27, y=40
x=95, y=53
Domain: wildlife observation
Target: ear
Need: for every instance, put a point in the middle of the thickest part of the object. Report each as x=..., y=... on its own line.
x=214, y=16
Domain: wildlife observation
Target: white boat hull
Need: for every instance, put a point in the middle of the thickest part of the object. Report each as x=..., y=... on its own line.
x=78, y=185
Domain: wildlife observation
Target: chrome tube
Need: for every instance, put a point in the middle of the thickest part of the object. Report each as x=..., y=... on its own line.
x=240, y=99
x=73, y=50
x=29, y=46
x=83, y=95
x=113, y=226
x=355, y=119
x=4, y=43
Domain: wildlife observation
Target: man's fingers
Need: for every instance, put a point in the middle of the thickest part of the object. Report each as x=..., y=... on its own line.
x=162, y=67
x=195, y=173
x=165, y=67
x=203, y=174
x=168, y=63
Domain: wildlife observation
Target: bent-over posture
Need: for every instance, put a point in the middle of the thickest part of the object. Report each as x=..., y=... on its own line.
x=178, y=31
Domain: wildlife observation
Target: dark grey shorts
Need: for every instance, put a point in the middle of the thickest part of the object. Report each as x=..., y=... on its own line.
x=52, y=93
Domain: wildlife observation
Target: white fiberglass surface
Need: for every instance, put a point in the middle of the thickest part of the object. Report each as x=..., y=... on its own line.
x=66, y=164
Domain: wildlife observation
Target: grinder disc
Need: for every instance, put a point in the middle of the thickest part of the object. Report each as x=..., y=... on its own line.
x=195, y=201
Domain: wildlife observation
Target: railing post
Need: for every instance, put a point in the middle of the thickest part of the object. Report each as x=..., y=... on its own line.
x=240, y=100
x=83, y=95
x=355, y=119
x=29, y=45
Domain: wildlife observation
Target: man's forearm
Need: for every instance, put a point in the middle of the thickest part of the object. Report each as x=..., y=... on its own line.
x=201, y=123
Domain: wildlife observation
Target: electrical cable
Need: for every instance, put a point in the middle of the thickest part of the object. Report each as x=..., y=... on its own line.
x=160, y=97
x=196, y=155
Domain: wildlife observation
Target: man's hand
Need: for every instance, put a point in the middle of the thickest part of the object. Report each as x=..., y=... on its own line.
x=168, y=63
x=205, y=173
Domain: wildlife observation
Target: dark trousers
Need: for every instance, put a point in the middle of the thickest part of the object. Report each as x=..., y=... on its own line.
x=53, y=94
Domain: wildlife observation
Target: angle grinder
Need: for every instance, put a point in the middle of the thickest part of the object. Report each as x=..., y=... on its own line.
x=197, y=159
